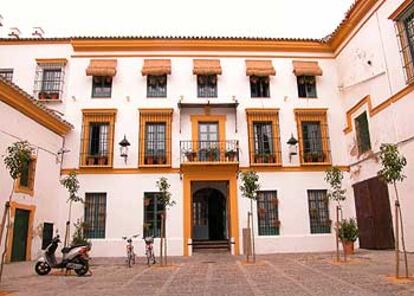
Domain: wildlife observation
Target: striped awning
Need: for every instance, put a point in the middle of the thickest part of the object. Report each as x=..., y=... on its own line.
x=156, y=67
x=259, y=68
x=307, y=68
x=206, y=67
x=102, y=68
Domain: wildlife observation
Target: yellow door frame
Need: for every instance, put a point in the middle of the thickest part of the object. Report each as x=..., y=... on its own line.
x=226, y=173
x=31, y=208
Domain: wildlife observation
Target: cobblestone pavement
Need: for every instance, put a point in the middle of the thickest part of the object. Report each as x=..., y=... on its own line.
x=220, y=274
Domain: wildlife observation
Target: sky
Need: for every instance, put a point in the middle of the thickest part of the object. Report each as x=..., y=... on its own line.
x=240, y=18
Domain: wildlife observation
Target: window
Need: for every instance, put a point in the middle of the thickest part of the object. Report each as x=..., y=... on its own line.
x=7, y=74
x=95, y=215
x=264, y=141
x=267, y=213
x=155, y=150
x=405, y=33
x=306, y=86
x=25, y=183
x=101, y=86
x=49, y=79
x=362, y=133
x=207, y=86
x=259, y=87
x=313, y=136
x=97, y=138
x=157, y=86
x=319, y=211
x=155, y=137
x=153, y=209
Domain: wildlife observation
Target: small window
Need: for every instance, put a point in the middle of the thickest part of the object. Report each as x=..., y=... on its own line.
x=7, y=74
x=207, y=86
x=153, y=209
x=306, y=86
x=155, y=143
x=95, y=215
x=49, y=81
x=362, y=133
x=98, y=142
x=312, y=142
x=25, y=182
x=267, y=213
x=47, y=235
x=259, y=87
x=319, y=211
x=101, y=86
x=263, y=142
x=157, y=86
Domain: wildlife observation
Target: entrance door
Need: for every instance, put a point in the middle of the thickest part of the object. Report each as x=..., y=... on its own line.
x=374, y=214
x=20, y=229
x=208, y=135
x=209, y=215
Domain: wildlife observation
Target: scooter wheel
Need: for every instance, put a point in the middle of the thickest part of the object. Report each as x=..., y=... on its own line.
x=42, y=268
x=85, y=268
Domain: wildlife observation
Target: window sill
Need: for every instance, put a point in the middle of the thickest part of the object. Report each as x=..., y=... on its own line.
x=276, y=164
x=50, y=101
x=316, y=164
x=92, y=97
x=305, y=98
x=24, y=190
x=260, y=97
x=154, y=166
x=84, y=166
x=156, y=97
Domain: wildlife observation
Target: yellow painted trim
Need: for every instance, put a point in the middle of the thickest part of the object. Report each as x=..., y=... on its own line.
x=91, y=115
x=61, y=61
x=315, y=115
x=294, y=169
x=32, y=176
x=372, y=111
x=206, y=55
x=210, y=173
x=400, y=10
x=121, y=171
x=32, y=208
x=147, y=115
x=111, y=45
x=264, y=114
x=21, y=103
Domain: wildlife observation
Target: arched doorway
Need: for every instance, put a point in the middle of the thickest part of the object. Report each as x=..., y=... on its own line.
x=209, y=215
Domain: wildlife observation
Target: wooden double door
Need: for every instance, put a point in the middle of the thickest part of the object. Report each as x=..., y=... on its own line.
x=374, y=214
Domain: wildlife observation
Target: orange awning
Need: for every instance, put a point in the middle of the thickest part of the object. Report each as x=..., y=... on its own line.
x=206, y=67
x=259, y=68
x=102, y=68
x=156, y=67
x=301, y=68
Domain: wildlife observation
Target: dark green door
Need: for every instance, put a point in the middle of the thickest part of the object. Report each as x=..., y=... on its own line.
x=20, y=229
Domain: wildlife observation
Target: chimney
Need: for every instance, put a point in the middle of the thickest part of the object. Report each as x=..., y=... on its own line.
x=15, y=32
x=38, y=32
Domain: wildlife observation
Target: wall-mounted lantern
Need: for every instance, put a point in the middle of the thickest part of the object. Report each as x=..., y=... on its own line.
x=123, y=146
x=293, y=147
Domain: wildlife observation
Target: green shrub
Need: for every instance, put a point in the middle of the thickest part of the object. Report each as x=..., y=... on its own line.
x=348, y=230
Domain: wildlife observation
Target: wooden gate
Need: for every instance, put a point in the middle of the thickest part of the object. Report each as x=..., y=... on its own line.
x=373, y=214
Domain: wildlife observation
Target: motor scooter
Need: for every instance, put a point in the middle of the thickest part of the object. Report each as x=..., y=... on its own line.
x=75, y=257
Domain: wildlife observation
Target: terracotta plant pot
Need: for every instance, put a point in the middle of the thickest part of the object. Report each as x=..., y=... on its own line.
x=102, y=160
x=161, y=160
x=190, y=156
x=91, y=160
x=348, y=247
x=149, y=160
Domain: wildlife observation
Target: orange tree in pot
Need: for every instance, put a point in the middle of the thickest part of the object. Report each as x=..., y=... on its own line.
x=348, y=233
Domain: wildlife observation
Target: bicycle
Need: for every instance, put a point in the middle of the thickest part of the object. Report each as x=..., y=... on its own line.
x=130, y=250
x=149, y=249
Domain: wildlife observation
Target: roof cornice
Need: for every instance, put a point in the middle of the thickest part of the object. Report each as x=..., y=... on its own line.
x=15, y=97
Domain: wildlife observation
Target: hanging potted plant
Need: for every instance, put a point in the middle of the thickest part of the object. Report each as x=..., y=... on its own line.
x=276, y=223
x=213, y=154
x=348, y=233
x=262, y=212
x=191, y=155
x=253, y=79
x=90, y=160
x=231, y=155
x=201, y=79
x=102, y=160
x=161, y=159
x=149, y=159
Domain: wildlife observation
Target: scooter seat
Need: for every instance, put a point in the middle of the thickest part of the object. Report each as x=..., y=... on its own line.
x=69, y=248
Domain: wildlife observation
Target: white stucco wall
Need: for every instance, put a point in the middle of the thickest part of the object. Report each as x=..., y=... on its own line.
x=48, y=197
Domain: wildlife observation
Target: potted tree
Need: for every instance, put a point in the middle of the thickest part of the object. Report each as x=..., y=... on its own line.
x=16, y=160
x=249, y=188
x=348, y=233
x=392, y=165
x=165, y=199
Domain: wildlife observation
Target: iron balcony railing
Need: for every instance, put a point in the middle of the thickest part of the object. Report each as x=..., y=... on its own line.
x=209, y=151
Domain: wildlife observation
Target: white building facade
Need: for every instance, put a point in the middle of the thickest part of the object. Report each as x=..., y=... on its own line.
x=200, y=111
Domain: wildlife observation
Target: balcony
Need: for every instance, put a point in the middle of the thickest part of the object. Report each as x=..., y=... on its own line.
x=209, y=152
